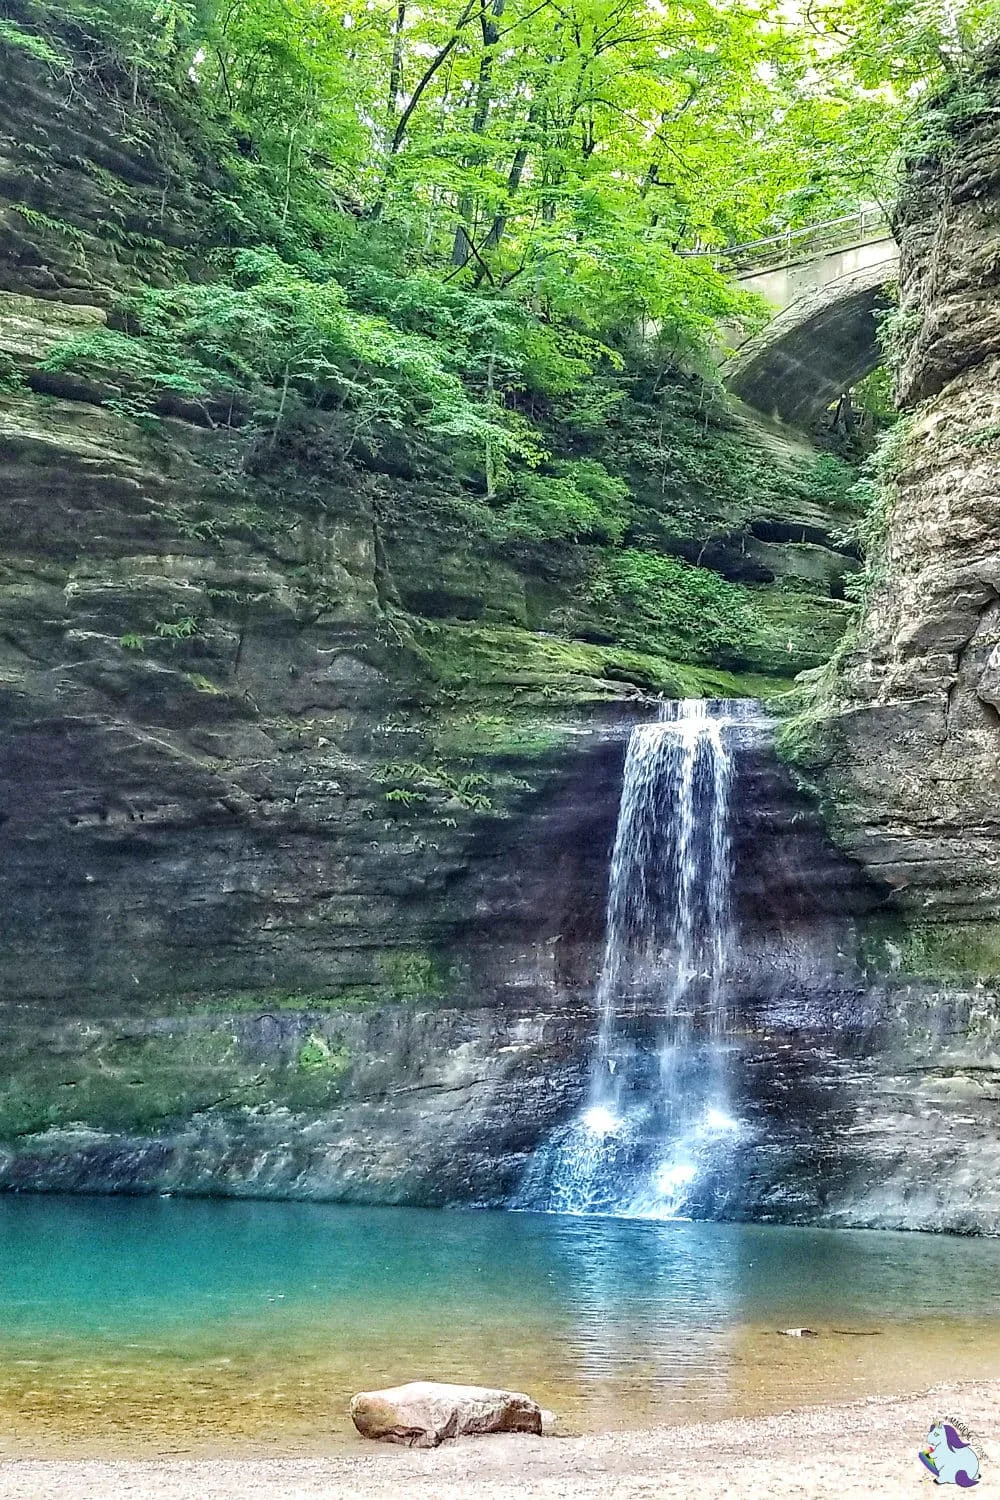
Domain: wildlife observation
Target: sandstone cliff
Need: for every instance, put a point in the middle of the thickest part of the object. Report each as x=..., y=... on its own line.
x=912, y=743
x=307, y=792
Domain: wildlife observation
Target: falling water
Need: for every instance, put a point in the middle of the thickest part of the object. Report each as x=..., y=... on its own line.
x=656, y=1124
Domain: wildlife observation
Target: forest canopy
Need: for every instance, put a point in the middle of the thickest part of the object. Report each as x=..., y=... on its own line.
x=462, y=217
x=565, y=151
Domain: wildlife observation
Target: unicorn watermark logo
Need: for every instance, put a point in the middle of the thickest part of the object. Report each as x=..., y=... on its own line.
x=950, y=1453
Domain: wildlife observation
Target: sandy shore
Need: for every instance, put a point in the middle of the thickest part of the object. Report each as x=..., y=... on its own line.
x=863, y=1448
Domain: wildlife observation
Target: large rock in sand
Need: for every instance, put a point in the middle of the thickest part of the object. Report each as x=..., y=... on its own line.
x=425, y=1412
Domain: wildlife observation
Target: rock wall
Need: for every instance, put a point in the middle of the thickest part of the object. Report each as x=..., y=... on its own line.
x=306, y=797
x=433, y=1098
x=912, y=732
x=861, y=1101
x=901, y=736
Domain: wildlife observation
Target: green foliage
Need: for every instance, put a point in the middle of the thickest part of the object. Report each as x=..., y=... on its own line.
x=875, y=493
x=278, y=341
x=897, y=331
x=914, y=63
x=11, y=380
x=468, y=239
x=181, y=629
x=556, y=161
x=577, y=498
x=695, y=468
x=829, y=481
x=29, y=42
x=681, y=608
x=58, y=227
x=135, y=372
x=411, y=782
x=984, y=437
x=873, y=398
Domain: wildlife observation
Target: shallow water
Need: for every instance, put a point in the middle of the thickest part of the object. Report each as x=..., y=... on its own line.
x=148, y=1325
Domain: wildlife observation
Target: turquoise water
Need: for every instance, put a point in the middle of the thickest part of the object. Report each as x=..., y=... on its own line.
x=192, y=1324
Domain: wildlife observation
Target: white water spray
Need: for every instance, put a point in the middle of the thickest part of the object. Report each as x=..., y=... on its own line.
x=657, y=1117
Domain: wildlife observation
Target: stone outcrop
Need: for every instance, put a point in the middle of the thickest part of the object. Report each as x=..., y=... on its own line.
x=425, y=1413
x=912, y=739
x=902, y=737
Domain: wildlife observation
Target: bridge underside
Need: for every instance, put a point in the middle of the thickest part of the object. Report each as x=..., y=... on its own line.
x=817, y=348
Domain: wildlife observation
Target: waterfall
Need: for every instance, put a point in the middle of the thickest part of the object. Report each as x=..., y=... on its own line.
x=656, y=1124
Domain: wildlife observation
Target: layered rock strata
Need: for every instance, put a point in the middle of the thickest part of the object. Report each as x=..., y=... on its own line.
x=911, y=735
x=305, y=808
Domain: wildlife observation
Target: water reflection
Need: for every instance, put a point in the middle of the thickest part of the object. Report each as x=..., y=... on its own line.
x=145, y=1322
x=654, y=1306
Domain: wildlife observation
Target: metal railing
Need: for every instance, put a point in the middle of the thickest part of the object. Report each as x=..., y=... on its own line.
x=812, y=239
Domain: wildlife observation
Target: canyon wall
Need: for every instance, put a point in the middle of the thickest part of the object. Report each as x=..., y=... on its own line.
x=307, y=790
x=901, y=736
x=913, y=766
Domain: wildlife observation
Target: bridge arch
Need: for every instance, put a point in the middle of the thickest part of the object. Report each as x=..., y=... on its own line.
x=814, y=350
x=827, y=286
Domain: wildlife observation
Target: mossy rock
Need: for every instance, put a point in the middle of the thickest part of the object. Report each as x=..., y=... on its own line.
x=948, y=952
x=477, y=661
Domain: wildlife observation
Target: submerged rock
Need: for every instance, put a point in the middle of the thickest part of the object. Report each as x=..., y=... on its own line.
x=424, y=1413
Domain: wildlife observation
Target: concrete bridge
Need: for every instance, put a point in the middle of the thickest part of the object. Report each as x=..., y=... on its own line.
x=826, y=284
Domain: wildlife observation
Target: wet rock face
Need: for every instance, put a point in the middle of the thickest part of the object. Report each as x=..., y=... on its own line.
x=875, y=1107
x=909, y=756
x=856, y=1103
x=915, y=748
x=398, y=1105
x=305, y=817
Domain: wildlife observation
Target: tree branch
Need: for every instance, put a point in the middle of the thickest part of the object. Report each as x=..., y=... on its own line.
x=399, y=134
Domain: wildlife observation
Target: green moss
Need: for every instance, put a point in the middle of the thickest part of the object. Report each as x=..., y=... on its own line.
x=809, y=712
x=474, y=661
x=965, y=952
x=122, y=1082
x=803, y=627
x=316, y=1055
x=202, y=684
x=984, y=437
x=398, y=976
x=103, y=1078
x=410, y=974
x=499, y=735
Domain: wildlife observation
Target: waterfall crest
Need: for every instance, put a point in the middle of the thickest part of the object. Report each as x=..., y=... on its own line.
x=656, y=1119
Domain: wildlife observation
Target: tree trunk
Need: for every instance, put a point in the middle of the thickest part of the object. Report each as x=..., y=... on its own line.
x=396, y=69
x=489, y=23
x=514, y=176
